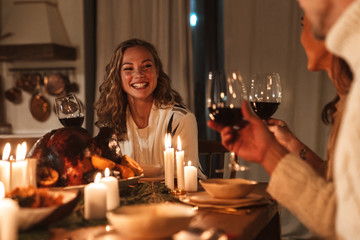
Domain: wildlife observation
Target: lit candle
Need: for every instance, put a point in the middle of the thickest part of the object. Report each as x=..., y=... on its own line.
x=95, y=199
x=31, y=171
x=8, y=218
x=5, y=167
x=169, y=163
x=180, y=166
x=190, y=172
x=112, y=192
x=18, y=170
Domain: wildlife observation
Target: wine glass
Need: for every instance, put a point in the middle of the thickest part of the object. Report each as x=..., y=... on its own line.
x=265, y=93
x=69, y=110
x=224, y=96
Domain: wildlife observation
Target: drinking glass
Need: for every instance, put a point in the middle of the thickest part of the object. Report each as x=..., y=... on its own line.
x=69, y=110
x=224, y=96
x=265, y=93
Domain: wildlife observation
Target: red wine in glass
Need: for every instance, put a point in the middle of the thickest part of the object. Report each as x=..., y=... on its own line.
x=69, y=110
x=225, y=94
x=265, y=93
x=72, y=121
x=264, y=109
x=228, y=117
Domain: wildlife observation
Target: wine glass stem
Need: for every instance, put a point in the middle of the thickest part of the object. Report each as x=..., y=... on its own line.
x=233, y=160
x=153, y=191
x=233, y=164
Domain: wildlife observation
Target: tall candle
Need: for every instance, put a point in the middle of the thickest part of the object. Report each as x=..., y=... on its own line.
x=19, y=171
x=180, y=166
x=95, y=199
x=191, y=183
x=112, y=191
x=31, y=171
x=5, y=167
x=169, y=162
x=8, y=218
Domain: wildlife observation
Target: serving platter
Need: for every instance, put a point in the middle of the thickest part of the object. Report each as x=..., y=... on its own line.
x=36, y=217
x=123, y=184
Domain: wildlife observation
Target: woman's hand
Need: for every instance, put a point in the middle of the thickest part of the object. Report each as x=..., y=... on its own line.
x=284, y=136
x=288, y=140
x=254, y=142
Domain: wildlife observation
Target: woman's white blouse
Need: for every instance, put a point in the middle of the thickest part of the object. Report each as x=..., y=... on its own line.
x=147, y=145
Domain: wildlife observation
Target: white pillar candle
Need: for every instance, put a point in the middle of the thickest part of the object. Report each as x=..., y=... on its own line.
x=112, y=192
x=5, y=167
x=19, y=177
x=169, y=163
x=180, y=166
x=5, y=174
x=19, y=171
x=31, y=171
x=95, y=199
x=8, y=218
x=191, y=183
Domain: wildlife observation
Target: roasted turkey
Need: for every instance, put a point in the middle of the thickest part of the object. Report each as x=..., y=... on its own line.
x=70, y=156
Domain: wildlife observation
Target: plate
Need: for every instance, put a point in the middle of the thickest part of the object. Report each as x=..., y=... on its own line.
x=203, y=199
x=36, y=217
x=123, y=184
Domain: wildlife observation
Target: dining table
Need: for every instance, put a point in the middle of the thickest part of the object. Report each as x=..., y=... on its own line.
x=259, y=221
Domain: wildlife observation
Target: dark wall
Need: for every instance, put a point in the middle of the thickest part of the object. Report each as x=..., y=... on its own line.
x=208, y=45
x=90, y=61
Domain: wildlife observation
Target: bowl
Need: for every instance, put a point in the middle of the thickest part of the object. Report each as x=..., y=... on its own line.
x=228, y=188
x=152, y=170
x=151, y=221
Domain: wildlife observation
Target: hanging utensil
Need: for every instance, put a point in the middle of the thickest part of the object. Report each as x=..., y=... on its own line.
x=55, y=84
x=14, y=95
x=40, y=106
x=28, y=81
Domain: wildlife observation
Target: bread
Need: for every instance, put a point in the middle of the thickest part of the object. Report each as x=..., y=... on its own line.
x=132, y=164
x=125, y=171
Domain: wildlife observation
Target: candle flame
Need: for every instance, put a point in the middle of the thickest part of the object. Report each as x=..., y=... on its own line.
x=6, y=152
x=2, y=190
x=179, y=144
x=189, y=163
x=107, y=172
x=167, y=141
x=97, y=178
x=21, y=151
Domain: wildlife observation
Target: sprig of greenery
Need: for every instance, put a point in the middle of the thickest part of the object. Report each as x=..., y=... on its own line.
x=141, y=193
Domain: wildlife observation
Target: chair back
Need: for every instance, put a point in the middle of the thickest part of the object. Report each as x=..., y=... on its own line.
x=212, y=156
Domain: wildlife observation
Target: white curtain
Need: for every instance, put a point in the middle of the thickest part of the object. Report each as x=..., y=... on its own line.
x=163, y=23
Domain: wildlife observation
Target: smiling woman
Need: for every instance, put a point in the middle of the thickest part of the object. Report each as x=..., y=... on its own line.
x=138, y=104
x=139, y=78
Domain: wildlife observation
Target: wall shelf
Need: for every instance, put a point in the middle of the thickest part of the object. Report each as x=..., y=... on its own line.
x=36, y=52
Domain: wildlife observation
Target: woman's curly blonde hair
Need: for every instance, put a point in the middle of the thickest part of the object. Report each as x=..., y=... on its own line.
x=112, y=104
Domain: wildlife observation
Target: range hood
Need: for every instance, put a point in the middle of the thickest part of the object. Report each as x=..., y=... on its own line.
x=35, y=31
